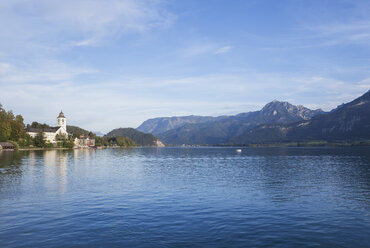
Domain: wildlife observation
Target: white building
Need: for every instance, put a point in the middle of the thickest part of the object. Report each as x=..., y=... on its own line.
x=84, y=141
x=51, y=133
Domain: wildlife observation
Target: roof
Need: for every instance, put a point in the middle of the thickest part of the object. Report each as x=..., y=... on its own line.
x=84, y=137
x=61, y=115
x=48, y=129
x=3, y=144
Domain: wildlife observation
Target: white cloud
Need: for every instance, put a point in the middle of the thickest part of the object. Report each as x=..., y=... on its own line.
x=198, y=49
x=127, y=101
x=203, y=48
x=85, y=22
x=44, y=71
x=331, y=34
x=4, y=68
x=224, y=49
x=36, y=34
x=365, y=83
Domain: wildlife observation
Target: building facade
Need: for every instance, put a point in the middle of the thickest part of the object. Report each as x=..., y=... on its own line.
x=52, y=133
x=84, y=141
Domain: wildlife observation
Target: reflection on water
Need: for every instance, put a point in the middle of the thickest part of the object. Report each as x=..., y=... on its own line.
x=166, y=197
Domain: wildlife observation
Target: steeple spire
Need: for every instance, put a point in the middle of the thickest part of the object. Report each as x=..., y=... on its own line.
x=62, y=120
x=61, y=114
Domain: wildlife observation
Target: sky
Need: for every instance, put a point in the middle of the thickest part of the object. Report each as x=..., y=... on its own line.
x=116, y=63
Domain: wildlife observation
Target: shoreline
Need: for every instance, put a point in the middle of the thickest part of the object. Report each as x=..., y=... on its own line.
x=64, y=148
x=293, y=144
x=42, y=149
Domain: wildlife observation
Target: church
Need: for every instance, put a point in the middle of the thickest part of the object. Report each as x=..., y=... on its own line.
x=51, y=133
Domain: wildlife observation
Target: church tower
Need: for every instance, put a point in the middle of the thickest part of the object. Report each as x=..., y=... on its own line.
x=62, y=120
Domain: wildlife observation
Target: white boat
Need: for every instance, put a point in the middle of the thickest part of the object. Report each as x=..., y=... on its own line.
x=238, y=150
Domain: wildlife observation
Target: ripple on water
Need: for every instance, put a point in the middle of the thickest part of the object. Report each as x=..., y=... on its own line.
x=196, y=197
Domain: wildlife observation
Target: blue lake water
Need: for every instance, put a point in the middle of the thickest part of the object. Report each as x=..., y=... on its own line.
x=186, y=197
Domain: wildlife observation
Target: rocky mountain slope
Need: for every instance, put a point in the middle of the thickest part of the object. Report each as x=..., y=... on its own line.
x=349, y=122
x=163, y=124
x=222, y=130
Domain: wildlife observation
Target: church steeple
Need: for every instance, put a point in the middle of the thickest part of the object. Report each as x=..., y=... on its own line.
x=62, y=120
x=61, y=114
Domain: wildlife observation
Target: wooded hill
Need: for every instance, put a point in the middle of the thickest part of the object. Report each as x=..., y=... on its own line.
x=140, y=138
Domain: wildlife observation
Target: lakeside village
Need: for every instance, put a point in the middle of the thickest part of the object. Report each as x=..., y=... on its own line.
x=59, y=134
x=14, y=135
x=53, y=137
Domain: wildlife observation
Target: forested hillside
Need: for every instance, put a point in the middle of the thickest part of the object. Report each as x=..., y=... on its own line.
x=140, y=138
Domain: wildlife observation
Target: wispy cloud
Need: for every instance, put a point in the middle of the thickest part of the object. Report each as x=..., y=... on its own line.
x=224, y=49
x=198, y=49
x=111, y=63
x=355, y=32
x=204, y=48
x=85, y=22
x=103, y=105
x=44, y=71
x=4, y=68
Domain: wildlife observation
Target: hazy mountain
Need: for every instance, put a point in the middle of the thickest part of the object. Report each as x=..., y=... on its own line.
x=140, y=138
x=77, y=131
x=222, y=130
x=349, y=122
x=163, y=124
x=98, y=133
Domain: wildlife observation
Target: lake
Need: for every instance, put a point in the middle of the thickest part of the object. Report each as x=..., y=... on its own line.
x=186, y=197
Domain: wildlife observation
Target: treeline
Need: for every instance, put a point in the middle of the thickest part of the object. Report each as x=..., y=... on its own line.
x=114, y=141
x=140, y=138
x=121, y=141
x=12, y=129
x=77, y=132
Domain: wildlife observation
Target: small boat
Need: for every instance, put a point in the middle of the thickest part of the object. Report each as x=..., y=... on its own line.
x=238, y=150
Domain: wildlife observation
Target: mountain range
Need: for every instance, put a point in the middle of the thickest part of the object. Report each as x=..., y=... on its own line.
x=275, y=122
x=349, y=122
x=163, y=124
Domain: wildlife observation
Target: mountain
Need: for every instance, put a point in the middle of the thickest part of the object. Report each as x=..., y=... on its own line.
x=223, y=130
x=98, y=133
x=140, y=138
x=77, y=131
x=349, y=122
x=163, y=124
x=284, y=112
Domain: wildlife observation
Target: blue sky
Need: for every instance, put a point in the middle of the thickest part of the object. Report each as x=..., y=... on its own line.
x=116, y=63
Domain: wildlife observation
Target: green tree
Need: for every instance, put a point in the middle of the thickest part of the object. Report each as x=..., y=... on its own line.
x=68, y=144
x=40, y=140
x=17, y=128
x=5, y=130
x=61, y=137
x=26, y=140
x=11, y=128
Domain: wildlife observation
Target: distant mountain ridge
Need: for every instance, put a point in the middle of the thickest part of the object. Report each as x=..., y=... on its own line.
x=348, y=122
x=221, y=130
x=163, y=124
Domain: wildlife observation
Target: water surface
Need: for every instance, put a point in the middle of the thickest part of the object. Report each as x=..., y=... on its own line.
x=186, y=197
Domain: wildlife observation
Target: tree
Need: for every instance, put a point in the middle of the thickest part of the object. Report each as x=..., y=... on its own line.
x=11, y=128
x=26, y=140
x=35, y=124
x=61, y=137
x=40, y=140
x=68, y=144
x=5, y=131
x=17, y=128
